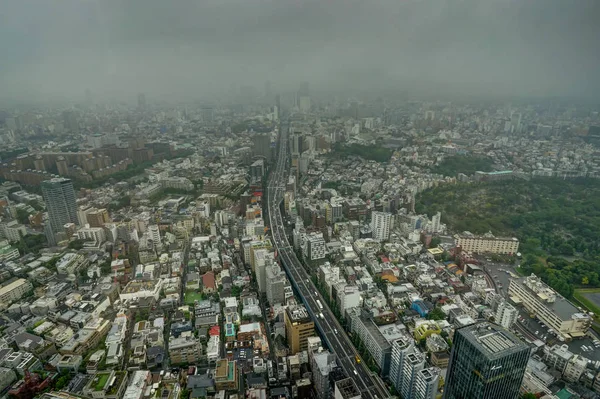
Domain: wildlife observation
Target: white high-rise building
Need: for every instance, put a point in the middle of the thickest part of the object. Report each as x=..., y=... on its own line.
x=262, y=259
x=506, y=314
x=413, y=363
x=400, y=350
x=154, y=235
x=426, y=383
x=381, y=224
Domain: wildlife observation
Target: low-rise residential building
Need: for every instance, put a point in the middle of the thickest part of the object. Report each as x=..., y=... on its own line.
x=15, y=291
x=185, y=349
x=226, y=375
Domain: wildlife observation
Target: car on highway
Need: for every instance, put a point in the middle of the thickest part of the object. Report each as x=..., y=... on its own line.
x=335, y=330
x=355, y=372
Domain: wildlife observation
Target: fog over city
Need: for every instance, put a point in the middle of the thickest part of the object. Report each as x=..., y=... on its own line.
x=188, y=49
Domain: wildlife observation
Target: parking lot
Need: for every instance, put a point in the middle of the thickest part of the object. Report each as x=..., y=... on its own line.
x=531, y=328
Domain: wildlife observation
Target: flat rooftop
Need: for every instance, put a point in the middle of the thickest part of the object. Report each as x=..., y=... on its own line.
x=561, y=306
x=492, y=340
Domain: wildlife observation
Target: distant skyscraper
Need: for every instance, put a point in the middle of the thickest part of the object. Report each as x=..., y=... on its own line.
x=141, y=101
x=268, y=93
x=59, y=196
x=487, y=361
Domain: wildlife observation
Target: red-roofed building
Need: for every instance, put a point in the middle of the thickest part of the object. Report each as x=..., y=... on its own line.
x=215, y=331
x=208, y=283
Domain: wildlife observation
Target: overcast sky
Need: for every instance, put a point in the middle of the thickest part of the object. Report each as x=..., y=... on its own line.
x=504, y=47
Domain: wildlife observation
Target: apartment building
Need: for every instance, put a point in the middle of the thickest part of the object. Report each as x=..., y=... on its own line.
x=184, y=349
x=15, y=290
x=487, y=244
x=544, y=303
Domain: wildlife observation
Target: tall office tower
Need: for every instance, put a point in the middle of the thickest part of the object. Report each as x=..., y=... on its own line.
x=141, y=101
x=298, y=327
x=262, y=145
x=59, y=196
x=487, y=361
x=268, y=93
x=381, y=225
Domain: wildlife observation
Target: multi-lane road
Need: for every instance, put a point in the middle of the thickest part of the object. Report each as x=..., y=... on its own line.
x=332, y=333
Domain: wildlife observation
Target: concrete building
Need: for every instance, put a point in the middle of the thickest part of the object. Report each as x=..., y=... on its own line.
x=426, y=383
x=506, y=315
x=487, y=244
x=401, y=348
x=346, y=389
x=322, y=363
x=95, y=234
x=184, y=349
x=15, y=290
x=544, y=303
x=277, y=282
x=315, y=247
x=377, y=340
x=59, y=196
x=298, y=327
x=226, y=375
x=381, y=224
x=8, y=252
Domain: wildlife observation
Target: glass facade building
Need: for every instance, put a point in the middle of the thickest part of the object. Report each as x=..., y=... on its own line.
x=487, y=361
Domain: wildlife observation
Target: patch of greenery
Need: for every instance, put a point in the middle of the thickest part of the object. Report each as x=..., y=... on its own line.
x=551, y=217
x=580, y=295
x=6, y=155
x=467, y=164
x=31, y=243
x=368, y=152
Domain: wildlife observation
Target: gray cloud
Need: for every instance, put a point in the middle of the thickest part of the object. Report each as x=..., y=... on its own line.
x=504, y=47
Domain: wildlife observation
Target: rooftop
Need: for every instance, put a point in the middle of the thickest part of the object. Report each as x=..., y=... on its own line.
x=492, y=340
x=561, y=306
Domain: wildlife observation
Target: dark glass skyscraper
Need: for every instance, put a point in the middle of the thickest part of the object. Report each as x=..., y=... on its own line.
x=487, y=361
x=59, y=196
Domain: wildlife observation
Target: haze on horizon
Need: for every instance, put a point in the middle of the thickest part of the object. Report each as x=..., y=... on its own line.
x=57, y=49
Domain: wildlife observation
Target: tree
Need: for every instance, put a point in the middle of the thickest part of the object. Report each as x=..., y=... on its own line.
x=528, y=395
x=22, y=216
x=436, y=314
x=585, y=280
x=76, y=244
